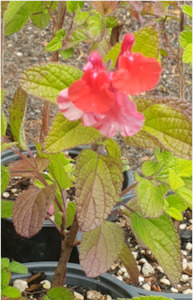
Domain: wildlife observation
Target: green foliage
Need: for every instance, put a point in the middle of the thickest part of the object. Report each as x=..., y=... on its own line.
x=4, y=178
x=6, y=208
x=56, y=43
x=7, y=268
x=187, y=9
x=185, y=38
x=73, y=5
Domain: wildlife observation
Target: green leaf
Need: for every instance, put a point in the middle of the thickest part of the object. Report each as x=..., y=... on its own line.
x=54, y=45
x=111, y=22
x=16, y=267
x=76, y=37
x=73, y=5
x=66, y=134
x=186, y=194
x=3, y=124
x=160, y=236
x=175, y=181
x=15, y=16
x=146, y=42
x=28, y=219
x=81, y=17
x=101, y=47
x=150, y=168
x=129, y=262
x=67, y=53
x=98, y=186
x=149, y=298
x=185, y=38
x=5, y=146
x=95, y=27
x=171, y=128
x=187, y=55
x=113, y=148
x=143, y=139
x=5, y=262
x=183, y=167
x=5, y=278
x=60, y=293
x=16, y=117
x=150, y=199
x=40, y=16
x=174, y=205
x=11, y=292
x=6, y=208
x=47, y=80
x=187, y=9
x=4, y=178
x=103, y=244
x=70, y=213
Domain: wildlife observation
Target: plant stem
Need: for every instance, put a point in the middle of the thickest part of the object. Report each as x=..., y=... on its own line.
x=57, y=26
x=60, y=272
x=129, y=188
x=2, y=49
x=181, y=64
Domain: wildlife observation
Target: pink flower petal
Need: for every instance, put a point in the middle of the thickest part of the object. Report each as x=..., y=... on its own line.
x=67, y=108
x=136, y=74
x=123, y=117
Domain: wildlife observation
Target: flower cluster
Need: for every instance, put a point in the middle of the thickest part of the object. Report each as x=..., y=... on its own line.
x=101, y=99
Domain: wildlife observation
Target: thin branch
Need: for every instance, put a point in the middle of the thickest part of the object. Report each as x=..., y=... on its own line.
x=128, y=189
x=181, y=64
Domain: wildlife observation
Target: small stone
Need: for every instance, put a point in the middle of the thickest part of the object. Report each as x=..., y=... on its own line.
x=20, y=284
x=46, y=284
x=119, y=277
x=139, y=268
x=78, y=296
x=146, y=287
x=120, y=272
x=179, y=285
x=188, y=291
x=135, y=254
x=159, y=268
x=93, y=295
x=147, y=269
x=184, y=264
x=19, y=54
x=184, y=278
x=143, y=260
x=183, y=226
x=13, y=191
x=123, y=269
x=114, y=266
x=184, y=252
x=173, y=290
x=189, y=265
x=142, y=251
x=6, y=195
x=165, y=281
x=188, y=246
x=141, y=279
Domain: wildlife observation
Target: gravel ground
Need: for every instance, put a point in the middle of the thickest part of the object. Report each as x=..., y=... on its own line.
x=26, y=47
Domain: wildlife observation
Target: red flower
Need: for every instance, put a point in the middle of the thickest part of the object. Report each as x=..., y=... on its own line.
x=136, y=73
x=92, y=92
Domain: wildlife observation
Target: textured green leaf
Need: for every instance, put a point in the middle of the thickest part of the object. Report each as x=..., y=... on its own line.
x=40, y=16
x=113, y=54
x=150, y=199
x=150, y=168
x=101, y=47
x=143, y=139
x=80, y=17
x=5, y=277
x=187, y=9
x=16, y=117
x=5, y=146
x=5, y=262
x=47, y=80
x=66, y=134
x=185, y=38
x=113, y=148
x=15, y=16
x=60, y=293
x=187, y=55
x=100, y=247
x=171, y=127
x=149, y=297
x=4, y=178
x=73, y=5
x=186, y=194
x=54, y=45
x=16, y=267
x=160, y=236
x=70, y=213
x=77, y=36
x=98, y=185
x=28, y=219
x=6, y=208
x=67, y=53
x=174, y=205
x=175, y=181
x=111, y=21
x=3, y=124
x=11, y=292
x=130, y=263
x=95, y=26
x=188, y=183
x=183, y=167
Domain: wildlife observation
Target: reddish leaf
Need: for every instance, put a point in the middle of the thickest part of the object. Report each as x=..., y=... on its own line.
x=104, y=7
x=100, y=247
x=30, y=209
x=22, y=168
x=130, y=263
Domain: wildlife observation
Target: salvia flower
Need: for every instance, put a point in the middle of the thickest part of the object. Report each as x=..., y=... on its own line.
x=101, y=99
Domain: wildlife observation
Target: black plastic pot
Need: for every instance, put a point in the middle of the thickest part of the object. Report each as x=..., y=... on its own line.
x=105, y=283
x=46, y=245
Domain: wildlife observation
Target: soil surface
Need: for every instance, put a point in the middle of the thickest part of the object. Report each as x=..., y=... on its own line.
x=26, y=47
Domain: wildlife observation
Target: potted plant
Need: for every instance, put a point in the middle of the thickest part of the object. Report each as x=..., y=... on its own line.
x=94, y=105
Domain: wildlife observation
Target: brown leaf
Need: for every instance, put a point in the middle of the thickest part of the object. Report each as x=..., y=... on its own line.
x=22, y=168
x=104, y=7
x=30, y=209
